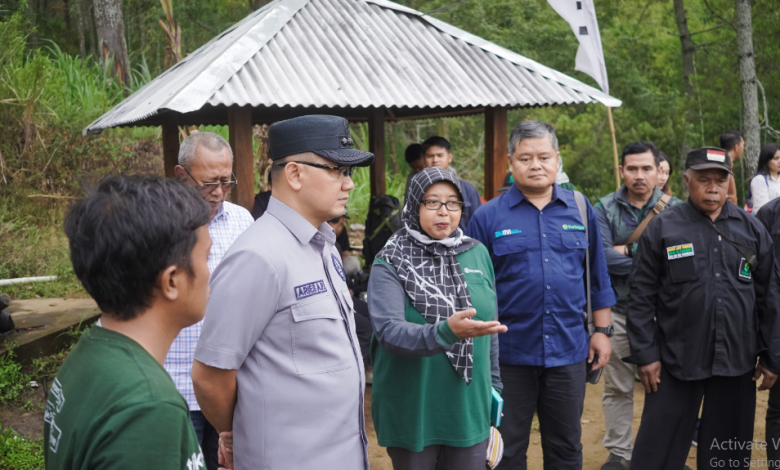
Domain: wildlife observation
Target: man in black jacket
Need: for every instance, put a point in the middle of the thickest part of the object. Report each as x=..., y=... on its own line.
x=769, y=215
x=704, y=300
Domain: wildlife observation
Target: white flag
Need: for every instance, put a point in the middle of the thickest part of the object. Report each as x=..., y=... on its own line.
x=581, y=16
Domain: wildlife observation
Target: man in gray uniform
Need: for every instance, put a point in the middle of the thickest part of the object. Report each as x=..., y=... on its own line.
x=278, y=361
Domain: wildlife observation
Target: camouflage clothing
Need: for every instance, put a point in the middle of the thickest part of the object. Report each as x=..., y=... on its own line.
x=617, y=220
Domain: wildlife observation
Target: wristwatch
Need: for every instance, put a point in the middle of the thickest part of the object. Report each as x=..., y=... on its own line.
x=607, y=330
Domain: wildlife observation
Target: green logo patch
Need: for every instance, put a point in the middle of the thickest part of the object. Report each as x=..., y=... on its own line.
x=578, y=228
x=679, y=251
x=744, y=269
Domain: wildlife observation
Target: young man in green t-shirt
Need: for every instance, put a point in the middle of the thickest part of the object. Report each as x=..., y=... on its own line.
x=140, y=246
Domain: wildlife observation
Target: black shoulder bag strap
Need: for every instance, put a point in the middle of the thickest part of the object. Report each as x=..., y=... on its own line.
x=749, y=256
x=580, y=199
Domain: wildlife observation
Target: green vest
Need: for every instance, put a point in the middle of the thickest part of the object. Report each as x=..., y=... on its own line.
x=420, y=401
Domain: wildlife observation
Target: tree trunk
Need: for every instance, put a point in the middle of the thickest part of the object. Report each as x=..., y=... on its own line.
x=80, y=15
x=747, y=79
x=66, y=13
x=688, y=70
x=110, y=25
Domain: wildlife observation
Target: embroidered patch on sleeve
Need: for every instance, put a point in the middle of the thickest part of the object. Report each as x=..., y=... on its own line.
x=744, y=269
x=679, y=251
x=339, y=267
x=312, y=288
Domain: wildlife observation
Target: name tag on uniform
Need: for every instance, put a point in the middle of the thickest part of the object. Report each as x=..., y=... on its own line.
x=507, y=232
x=679, y=251
x=312, y=288
x=744, y=269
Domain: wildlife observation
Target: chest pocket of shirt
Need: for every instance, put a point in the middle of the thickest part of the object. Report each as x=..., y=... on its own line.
x=683, y=269
x=512, y=250
x=319, y=337
x=574, y=246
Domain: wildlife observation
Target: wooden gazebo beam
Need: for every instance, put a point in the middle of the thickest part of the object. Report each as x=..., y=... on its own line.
x=241, y=119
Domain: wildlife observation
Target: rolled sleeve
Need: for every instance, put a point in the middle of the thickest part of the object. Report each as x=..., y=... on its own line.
x=240, y=307
x=601, y=293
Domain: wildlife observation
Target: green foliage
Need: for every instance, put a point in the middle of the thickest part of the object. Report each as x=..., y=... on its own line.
x=27, y=222
x=20, y=453
x=12, y=380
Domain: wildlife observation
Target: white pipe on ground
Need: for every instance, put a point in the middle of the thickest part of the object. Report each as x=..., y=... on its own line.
x=8, y=282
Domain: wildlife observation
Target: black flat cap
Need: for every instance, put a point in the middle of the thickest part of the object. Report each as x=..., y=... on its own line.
x=327, y=136
x=708, y=157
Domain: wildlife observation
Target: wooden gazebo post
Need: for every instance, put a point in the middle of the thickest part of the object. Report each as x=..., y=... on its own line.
x=495, y=150
x=376, y=145
x=240, y=131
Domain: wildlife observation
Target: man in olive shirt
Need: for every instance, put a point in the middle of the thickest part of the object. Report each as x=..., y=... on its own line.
x=140, y=247
x=620, y=215
x=701, y=323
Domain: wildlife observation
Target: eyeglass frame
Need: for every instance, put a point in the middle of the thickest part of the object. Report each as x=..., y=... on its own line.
x=348, y=171
x=425, y=202
x=208, y=188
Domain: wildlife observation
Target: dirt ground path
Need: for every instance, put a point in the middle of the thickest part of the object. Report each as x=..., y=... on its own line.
x=592, y=433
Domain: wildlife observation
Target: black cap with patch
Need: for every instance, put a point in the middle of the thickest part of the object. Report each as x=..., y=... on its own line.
x=327, y=136
x=708, y=157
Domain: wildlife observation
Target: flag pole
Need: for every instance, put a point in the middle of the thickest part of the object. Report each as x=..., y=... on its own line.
x=614, y=147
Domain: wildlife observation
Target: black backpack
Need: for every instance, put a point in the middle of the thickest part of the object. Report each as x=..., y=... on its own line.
x=384, y=219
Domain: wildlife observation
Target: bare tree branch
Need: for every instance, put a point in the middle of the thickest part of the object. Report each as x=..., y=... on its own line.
x=713, y=28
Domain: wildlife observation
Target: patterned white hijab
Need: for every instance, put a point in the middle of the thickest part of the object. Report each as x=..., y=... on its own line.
x=429, y=269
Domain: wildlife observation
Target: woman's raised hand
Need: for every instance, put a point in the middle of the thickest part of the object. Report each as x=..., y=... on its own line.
x=462, y=325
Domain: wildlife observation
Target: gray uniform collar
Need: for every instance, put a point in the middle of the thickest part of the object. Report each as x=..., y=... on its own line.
x=297, y=225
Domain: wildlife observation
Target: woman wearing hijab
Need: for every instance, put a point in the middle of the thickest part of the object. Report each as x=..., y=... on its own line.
x=433, y=306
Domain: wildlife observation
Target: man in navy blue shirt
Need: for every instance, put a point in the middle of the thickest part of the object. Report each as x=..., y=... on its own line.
x=537, y=241
x=436, y=152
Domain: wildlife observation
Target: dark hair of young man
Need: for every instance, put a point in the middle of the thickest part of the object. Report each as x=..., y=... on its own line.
x=728, y=140
x=414, y=152
x=124, y=233
x=435, y=141
x=768, y=152
x=641, y=146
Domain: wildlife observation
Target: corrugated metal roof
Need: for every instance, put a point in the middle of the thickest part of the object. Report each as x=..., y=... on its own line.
x=348, y=54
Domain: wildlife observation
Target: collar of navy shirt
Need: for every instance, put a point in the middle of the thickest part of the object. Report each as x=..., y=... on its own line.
x=298, y=225
x=515, y=196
